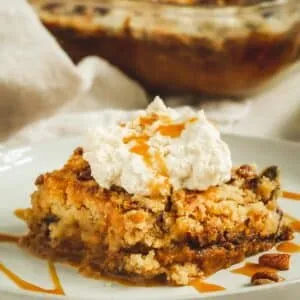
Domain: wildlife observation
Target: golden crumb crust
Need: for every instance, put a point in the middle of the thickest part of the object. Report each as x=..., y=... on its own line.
x=177, y=238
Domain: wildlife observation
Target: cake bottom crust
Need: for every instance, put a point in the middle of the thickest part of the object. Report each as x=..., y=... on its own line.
x=176, y=264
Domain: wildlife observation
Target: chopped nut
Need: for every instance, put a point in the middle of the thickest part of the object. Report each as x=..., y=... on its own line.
x=79, y=9
x=51, y=7
x=252, y=183
x=261, y=278
x=245, y=171
x=102, y=10
x=85, y=174
x=261, y=281
x=51, y=219
x=271, y=172
x=277, y=261
x=78, y=151
x=168, y=204
x=39, y=180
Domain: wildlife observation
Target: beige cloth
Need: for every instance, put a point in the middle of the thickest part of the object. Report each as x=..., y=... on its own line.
x=35, y=75
x=38, y=79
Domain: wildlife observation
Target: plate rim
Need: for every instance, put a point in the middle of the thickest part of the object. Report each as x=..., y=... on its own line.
x=214, y=295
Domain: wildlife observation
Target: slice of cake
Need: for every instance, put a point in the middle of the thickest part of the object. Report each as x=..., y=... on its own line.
x=154, y=198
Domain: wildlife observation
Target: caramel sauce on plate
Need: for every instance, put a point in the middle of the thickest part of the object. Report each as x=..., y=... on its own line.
x=130, y=283
x=288, y=247
x=205, y=287
x=7, y=238
x=294, y=222
x=25, y=285
x=296, y=226
x=249, y=269
x=199, y=285
x=296, y=197
x=291, y=195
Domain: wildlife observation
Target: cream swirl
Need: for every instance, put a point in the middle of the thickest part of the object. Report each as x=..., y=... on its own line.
x=159, y=149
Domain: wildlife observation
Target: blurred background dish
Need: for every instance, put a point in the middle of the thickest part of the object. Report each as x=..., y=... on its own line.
x=210, y=47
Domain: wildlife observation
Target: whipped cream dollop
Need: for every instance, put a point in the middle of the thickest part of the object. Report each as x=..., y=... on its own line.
x=159, y=150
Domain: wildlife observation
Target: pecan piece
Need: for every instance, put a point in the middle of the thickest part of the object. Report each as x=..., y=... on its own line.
x=85, y=174
x=102, y=10
x=246, y=171
x=168, y=206
x=271, y=172
x=39, y=180
x=277, y=261
x=49, y=219
x=78, y=151
x=79, y=9
x=252, y=183
x=260, y=278
x=51, y=7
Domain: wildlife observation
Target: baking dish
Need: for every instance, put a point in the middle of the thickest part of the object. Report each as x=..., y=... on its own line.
x=182, y=46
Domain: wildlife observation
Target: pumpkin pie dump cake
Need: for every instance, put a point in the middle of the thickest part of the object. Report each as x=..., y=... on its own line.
x=155, y=197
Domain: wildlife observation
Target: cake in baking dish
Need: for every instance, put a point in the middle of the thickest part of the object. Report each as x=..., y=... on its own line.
x=211, y=47
x=196, y=46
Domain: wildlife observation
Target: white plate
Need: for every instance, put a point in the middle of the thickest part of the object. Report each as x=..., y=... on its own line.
x=20, y=167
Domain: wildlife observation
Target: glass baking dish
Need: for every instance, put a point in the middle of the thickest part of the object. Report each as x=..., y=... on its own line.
x=180, y=45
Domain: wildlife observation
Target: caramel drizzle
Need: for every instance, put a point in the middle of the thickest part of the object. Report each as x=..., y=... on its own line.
x=58, y=290
x=294, y=222
x=142, y=148
x=199, y=285
x=25, y=285
x=205, y=287
x=155, y=161
x=174, y=130
x=137, y=138
x=296, y=225
x=288, y=247
x=149, y=120
x=291, y=195
x=7, y=238
x=249, y=269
